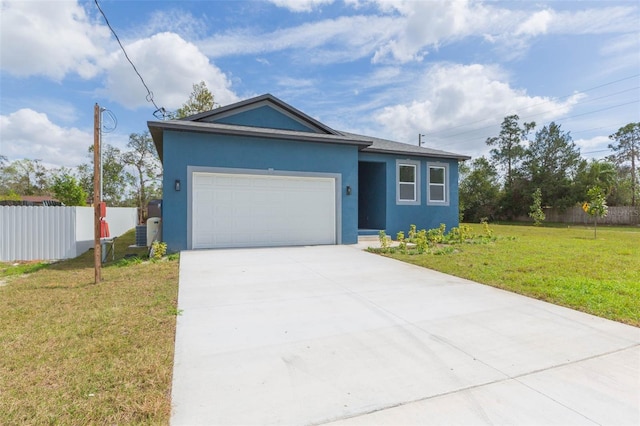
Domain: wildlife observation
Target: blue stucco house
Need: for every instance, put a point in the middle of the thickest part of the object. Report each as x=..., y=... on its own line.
x=262, y=173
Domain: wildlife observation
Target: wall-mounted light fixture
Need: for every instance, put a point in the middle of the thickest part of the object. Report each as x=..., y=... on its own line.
x=177, y=185
x=348, y=190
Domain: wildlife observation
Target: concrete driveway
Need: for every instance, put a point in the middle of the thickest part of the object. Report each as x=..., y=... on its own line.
x=332, y=334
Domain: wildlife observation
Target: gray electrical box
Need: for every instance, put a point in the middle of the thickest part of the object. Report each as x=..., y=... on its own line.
x=141, y=235
x=154, y=208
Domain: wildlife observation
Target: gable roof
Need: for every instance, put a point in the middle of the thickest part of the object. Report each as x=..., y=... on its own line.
x=266, y=99
x=205, y=123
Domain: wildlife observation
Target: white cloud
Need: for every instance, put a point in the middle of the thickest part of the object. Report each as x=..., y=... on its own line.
x=54, y=39
x=300, y=5
x=404, y=31
x=623, y=45
x=538, y=23
x=176, y=21
x=600, y=20
x=295, y=83
x=621, y=53
x=49, y=38
x=594, y=143
x=30, y=134
x=595, y=147
x=344, y=38
x=427, y=25
x=460, y=105
x=169, y=66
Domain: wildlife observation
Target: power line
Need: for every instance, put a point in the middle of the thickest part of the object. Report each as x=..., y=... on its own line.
x=588, y=100
x=556, y=120
x=594, y=128
x=598, y=110
x=149, y=96
x=114, y=121
x=545, y=102
x=594, y=152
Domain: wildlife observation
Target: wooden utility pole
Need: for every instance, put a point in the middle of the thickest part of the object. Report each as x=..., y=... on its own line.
x=97, y=249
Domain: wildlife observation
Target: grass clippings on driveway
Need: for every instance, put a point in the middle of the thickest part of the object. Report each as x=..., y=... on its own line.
x=561, y=265
x=73, y=352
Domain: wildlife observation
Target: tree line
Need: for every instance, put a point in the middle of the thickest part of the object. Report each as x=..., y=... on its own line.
x=130, y=177
x=502, y=185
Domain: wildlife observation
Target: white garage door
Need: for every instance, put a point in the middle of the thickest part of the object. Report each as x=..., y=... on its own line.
x=242, y=210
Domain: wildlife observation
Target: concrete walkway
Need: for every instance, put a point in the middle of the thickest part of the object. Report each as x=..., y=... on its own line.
x=332, y=334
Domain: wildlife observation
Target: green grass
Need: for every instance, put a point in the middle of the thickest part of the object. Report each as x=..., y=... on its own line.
x=73, y=352
x=21, y=268
x=565, y=266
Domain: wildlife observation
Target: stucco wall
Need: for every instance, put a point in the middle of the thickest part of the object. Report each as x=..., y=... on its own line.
x=182, y=149
x=264, y=116
x=400, y=217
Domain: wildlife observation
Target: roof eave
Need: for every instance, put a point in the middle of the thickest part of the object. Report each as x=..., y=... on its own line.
x=157, y=129
x=418, y=154
x=157, y=135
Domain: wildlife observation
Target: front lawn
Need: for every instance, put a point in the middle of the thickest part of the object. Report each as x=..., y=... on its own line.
x=73, y=352
x=562, y=265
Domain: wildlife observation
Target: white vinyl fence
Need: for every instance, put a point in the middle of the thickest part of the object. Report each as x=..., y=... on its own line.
x=51, y=233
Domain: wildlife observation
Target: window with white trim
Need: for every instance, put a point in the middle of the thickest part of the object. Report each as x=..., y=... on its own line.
x=437, y=184
x=408, y=182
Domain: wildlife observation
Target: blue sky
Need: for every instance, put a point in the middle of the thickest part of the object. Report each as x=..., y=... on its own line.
x=451, y=70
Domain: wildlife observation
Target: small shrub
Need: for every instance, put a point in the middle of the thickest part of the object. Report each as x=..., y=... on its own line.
x=436, y=235
x=453, y=235
x=596, y=206
x=384, y=241
x=459, y=235
x=412, y=233
x=433, y=241
x=421, y=241
x=535, y=211
x=402, y=242
x=158, y=250
x=488, y=232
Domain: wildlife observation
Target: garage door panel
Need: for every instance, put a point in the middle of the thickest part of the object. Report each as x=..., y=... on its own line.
x=237, y=210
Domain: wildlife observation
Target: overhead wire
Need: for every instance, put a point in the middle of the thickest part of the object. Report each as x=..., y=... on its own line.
x=586, y=101
x=109, y=129
x=556, y=120
x=149, y=96
x=436, y=133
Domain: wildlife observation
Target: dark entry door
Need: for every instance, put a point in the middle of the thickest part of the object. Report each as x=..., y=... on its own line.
x=372, y=190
